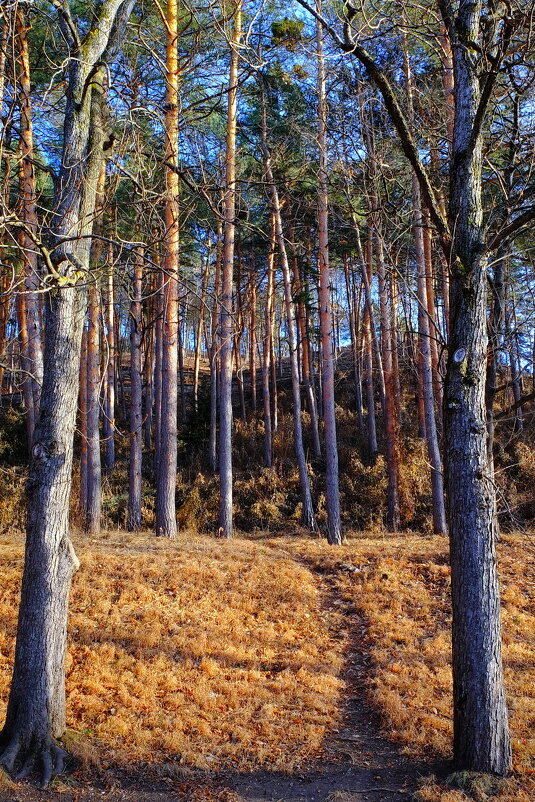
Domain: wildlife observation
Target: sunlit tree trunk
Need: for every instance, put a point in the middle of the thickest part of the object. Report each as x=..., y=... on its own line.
x=167, y=441
x=426, y=362
x=267, y=347
x=108, y=428
x=481, y=733
x=32, y=346
x=214, y=355
x=334, y=531
x=225, y=395
x=198, y=330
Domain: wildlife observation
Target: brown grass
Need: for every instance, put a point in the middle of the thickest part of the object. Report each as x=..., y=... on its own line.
x=222, y=655
x=199, y=651
x=401, y=588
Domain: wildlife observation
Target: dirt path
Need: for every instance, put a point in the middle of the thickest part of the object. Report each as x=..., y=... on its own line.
x=361, y=764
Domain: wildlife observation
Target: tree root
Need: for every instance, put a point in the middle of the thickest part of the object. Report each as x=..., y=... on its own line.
x=19, y=760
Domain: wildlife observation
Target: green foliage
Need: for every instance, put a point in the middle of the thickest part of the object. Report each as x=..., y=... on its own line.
x=287, y=32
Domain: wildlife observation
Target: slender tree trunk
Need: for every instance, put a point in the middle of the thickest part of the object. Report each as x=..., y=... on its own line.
x=158, y=348
x=198, y=332
x=306, y=496
x=133, y=518
x=368, y=352
x=426, y=364
x=148, y=337
x=252, y=331
x=434, y=331
x=352, y=314
x=167, y=444
x=390, y=417
x=273, y=362
x=214, y=352
x=226, y=524
x=238, y=334
x=112, y=365
x=82, y=500
x=28, y=201
x=94, y=479
x=267, y=349
x=302, y=327
x=334, y=532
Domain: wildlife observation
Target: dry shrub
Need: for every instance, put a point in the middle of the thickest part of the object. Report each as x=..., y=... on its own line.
x=12, y=493
x=415, y=486
x=198, y=506
x=197, y=652
x=362, y=489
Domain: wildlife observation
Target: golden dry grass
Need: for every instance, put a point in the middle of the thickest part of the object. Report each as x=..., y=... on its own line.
x=222, y=655
x=209, y=653
x=401, y=588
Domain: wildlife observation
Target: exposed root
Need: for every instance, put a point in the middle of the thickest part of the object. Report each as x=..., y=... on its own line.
x=19, y=761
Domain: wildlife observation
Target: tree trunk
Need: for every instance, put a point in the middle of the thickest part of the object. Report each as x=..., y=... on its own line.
x=198, y=331
x=267, y=348
x=28, y=204
x=36, y=705
x=252, y=331
x=111, y=366
x=368, y=352
x=389, y=411
x=133, y=518
x=94, y=479
x=424, y=333
x=82, y=403
x=214, y=350
x=226, y=524
x=334, y=532
x=306, y=496
x=481, y=733
x=167, y=441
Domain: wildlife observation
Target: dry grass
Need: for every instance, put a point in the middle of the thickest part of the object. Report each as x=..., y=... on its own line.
x=199, y=651
x=222, y=655
x=401, y=588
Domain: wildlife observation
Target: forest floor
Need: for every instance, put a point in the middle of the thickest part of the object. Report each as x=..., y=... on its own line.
x=270, y=668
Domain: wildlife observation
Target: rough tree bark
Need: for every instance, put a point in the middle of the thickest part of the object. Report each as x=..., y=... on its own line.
x=36, y=706
x=481, y=732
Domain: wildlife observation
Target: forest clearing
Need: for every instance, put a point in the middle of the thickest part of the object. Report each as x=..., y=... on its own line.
x=206, y=658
